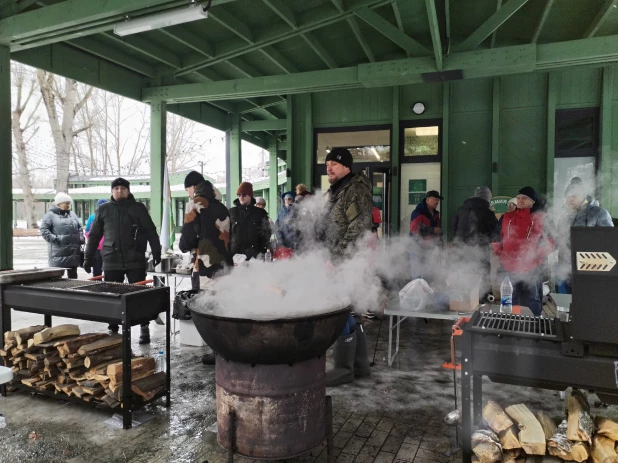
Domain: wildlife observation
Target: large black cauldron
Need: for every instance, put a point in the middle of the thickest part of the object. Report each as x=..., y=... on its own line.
x=270, y=342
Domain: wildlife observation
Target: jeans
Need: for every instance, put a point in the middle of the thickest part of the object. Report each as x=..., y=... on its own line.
x=564, y=287
x=72, y=273
x=528, y=292
x=97, y=264
x=349, y=325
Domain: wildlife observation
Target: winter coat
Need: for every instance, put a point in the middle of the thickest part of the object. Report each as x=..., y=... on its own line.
x=126, y=227
x=474, y=222
x=422, y=224
x=589, y=214
x=250, y=229
x=348, y=214
x=287, y=233
x=88, y=227
x=64, y=236
x=206, y=232
x=526, y=239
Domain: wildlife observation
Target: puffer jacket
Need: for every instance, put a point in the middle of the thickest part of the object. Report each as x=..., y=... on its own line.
x=422, y=224
x=250, y=229
x=589, y=214
x=206, y=232
x=474, y=222
x=348, y=214
x=287, y=234
x=126, y=226
x=526, y=239
x=64, y=236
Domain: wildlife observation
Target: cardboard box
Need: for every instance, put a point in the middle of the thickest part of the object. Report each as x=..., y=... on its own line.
x=189, y=335
x=463, y=292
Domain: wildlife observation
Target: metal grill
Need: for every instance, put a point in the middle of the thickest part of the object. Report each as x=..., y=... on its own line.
x=113, y=288
x=518, y=324
x=61, y=283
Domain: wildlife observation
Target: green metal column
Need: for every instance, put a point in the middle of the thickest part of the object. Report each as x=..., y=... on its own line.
x=273, y=178
x=495, y=137
x=607, y=139
x=552, y=98
x=307, y=160
x=289, y=156
x=446, y=114
x=395, y=190
x=158, y=131
x=6, y=157
x=235, y=157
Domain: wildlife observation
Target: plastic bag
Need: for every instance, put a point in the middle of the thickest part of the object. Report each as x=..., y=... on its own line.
x=181, y=311
x=414, y=295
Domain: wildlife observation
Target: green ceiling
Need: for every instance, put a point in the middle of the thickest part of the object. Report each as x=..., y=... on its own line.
x=252, y=38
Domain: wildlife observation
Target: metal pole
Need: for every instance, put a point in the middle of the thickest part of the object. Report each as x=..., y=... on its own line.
x=6, y=160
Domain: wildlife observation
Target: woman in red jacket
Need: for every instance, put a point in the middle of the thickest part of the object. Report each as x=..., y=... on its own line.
x=525, y=243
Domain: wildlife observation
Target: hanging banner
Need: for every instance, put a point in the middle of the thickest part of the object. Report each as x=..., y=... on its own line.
x=499, y=205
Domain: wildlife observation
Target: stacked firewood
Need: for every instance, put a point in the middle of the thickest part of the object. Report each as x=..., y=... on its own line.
x=516, y=435
x=87, y=366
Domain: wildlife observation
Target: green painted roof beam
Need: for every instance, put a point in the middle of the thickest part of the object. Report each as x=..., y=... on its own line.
x=283, y=11
x=279, y=60
x=391, y=32
x=319, y=50
x=234, y=24
x=495, y=33
x=114, y=55
x=493, y=23
x=600, y=18
x=267, y=102
x=544, y=16
x=308, y=21
x=434, y=28
x=397, y=14
x=189, y=39
x=23, y=4
x=339, y=5
x=447, y=16
x=260, y=126
x=78, y=17
x=361, y=39
x=142, y=45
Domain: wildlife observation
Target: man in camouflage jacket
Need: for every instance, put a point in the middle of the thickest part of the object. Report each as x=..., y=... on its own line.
x=348, y=218
x=349, y=206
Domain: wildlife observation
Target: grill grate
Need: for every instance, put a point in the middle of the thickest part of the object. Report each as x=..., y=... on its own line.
x=518, y=324
x=61, y=283
x=113, y=288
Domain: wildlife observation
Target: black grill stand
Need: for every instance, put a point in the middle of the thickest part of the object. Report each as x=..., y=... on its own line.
x=81, y=311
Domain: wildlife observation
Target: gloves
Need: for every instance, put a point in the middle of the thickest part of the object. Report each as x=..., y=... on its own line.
x=156, y=260
x=87, y=266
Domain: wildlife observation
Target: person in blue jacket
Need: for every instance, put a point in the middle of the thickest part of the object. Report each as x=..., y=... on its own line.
x=97, y=263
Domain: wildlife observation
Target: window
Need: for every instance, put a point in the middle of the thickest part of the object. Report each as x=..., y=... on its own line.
x=577, y=132
x=421, y=141
x=365, y=145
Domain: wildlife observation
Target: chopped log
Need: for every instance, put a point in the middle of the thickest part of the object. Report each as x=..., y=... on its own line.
x=511, y=455
x=580, y=426
x=3, y=353
x=496, y=419
x=52, y=372
x=30, y=343
x=603, y=450
x=16, y=351
x=63, y=379
x=22, y=336
x=101, y=345
x=140, y=367
x=9, y=336
x=60, y=331
x=52, y=360
x=560, y=446
x=68, y=387
x=78, y=374
x=116, y=395
x=531, y=434
x=77, y=391
x=549, y=427
x=16, y=360
x=101, y=369
x=105, y=356
x=607, y=427
x=149, y=386
x=73, y=345
x=509, y=439
x=46, y=384
x=73, y=363
x=110, y=401
x=89, y=376
x=486, y=446
x=93, y=391
x=31, y=381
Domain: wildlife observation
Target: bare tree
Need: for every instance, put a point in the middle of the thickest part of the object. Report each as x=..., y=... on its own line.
x=25, y=86
x=182, y=148
x=66, y=99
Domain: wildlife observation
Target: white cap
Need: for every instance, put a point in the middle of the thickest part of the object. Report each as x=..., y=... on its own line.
x=62, y=198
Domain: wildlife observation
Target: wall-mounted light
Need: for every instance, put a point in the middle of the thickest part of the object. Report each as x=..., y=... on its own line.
x=418, y=108
x=159, y=20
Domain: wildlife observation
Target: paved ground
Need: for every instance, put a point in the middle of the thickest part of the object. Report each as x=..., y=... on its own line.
x=395, y=415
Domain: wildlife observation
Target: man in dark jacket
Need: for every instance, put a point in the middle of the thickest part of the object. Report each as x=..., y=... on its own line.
x=250, y=225
x=348, y=218
x=286, y=230
x=473, y=227
x=426, y=230
x=126, y=226
x=206, y=234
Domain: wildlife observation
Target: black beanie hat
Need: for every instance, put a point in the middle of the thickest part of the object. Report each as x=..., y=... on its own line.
x=193, y=178
x=340, y=155
x=529, y=192
x=121, y=182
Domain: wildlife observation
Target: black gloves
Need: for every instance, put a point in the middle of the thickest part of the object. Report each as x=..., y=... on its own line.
x=87, y=266
x=156, y=260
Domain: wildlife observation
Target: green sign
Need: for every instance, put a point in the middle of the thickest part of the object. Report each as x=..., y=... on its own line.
x=415, y=198
x=499, y=204
x=417, y=185
x=378, y=200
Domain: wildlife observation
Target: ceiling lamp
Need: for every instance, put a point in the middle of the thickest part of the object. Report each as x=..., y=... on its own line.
x=159, y=20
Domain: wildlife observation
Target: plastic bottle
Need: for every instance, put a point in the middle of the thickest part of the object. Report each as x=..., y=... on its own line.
x=268, y=257
x=506, y=296
x=160, y=362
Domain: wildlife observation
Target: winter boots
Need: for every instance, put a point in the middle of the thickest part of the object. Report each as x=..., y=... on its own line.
x=209, y=359
x=144, y=337
x=350, y=358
